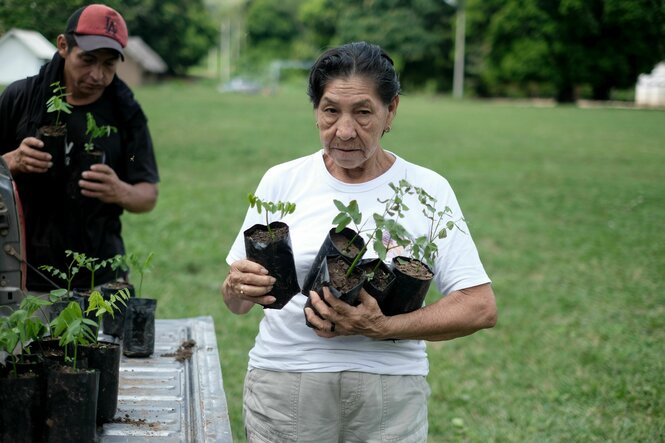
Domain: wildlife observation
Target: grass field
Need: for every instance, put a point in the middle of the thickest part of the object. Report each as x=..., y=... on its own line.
x=566, y=205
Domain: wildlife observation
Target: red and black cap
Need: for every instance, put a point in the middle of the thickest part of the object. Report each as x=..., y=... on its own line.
x=98, y=26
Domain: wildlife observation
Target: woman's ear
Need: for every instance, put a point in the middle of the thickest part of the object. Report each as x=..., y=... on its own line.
x=392, y=109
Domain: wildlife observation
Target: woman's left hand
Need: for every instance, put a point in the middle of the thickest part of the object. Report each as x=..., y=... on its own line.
x=340, y=318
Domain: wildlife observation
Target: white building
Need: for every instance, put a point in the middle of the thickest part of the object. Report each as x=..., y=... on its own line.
x=650, y=88
x=22, y=53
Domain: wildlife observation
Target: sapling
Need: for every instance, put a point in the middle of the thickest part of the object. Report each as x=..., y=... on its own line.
x=20, y=328
x=58, y=102
x=394, y=206
x=101, y=307
x=119, y=264
x=424, y=247
x=92, y=264
x=72, y=328
x=283, y=208
x=141, y=266
x=93, y=131
x=67, y=275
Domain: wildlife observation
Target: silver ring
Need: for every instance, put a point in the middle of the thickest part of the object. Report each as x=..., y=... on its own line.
x=242, y=292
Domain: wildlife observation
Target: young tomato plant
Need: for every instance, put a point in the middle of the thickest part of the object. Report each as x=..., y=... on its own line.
x=93, y=131
x=283, y=208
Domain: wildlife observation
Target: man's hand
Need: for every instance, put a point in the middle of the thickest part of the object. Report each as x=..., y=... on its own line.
x=28, y=158
x=101, y=182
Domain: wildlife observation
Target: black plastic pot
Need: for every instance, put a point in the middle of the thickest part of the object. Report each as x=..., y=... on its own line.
x=277, y=257
x=407, y=293
x=55, y=139
x=323, y=279
x=139, y=331
x=57, y=307
x=89, y=158
x=329, y=247
x=21, y=408
x=23, y=401
x=115, y=325
x=105, y=358
x=380, y=279
x=71, y=405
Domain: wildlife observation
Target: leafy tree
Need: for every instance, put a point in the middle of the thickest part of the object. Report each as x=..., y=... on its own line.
x=47, y=16
x=568, y=44
x=180, y=31
x=417, y=33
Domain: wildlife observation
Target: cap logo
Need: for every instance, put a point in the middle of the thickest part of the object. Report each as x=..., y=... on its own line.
x=111, y=27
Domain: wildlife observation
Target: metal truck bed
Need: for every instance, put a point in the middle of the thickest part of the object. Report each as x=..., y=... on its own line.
x=173, y=396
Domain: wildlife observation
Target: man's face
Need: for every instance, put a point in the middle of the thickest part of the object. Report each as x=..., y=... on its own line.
x=87, y=74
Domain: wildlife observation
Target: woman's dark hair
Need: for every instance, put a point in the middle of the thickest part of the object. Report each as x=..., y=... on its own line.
x=358, y=58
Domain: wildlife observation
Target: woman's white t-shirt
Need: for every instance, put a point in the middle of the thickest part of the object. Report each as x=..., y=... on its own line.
x=284, y=342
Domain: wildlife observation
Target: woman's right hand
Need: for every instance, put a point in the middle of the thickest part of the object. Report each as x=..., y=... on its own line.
x=247, y=284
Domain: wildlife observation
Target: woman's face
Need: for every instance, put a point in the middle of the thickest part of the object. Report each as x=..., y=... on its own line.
x=351, y=119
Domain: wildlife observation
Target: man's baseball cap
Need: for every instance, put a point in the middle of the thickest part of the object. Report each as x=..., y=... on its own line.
x=98, y=26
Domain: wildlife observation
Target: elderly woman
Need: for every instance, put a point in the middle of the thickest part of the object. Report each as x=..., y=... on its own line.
x=342, y=381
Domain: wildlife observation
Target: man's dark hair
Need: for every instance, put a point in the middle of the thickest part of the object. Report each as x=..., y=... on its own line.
x=357, y=58
x=71, y=41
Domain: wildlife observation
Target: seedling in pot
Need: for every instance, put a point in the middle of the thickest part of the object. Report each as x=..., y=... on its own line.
x=424, y=248
x=72, y=328
x=101, y=307
x=142, y=266
x=283, y=208
x=58, y=102
x=94, y=132
x=92, y=264
x=393, y=207
x=20, y=328
x=120, y=264
x=68, y=274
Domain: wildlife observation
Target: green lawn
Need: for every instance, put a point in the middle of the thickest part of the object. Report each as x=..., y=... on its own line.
x=567, y=207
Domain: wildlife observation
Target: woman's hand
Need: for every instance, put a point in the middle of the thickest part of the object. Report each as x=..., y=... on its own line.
x=247, y=284
x=340, y=318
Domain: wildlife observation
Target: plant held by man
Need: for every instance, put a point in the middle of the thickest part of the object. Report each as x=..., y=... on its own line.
x=94, y=132
x=58, y=102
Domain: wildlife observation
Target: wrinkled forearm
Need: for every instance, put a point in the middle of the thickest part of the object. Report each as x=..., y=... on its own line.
x=458, y=314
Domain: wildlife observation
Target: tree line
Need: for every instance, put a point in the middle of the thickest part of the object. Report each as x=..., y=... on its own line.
x=565, y=49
